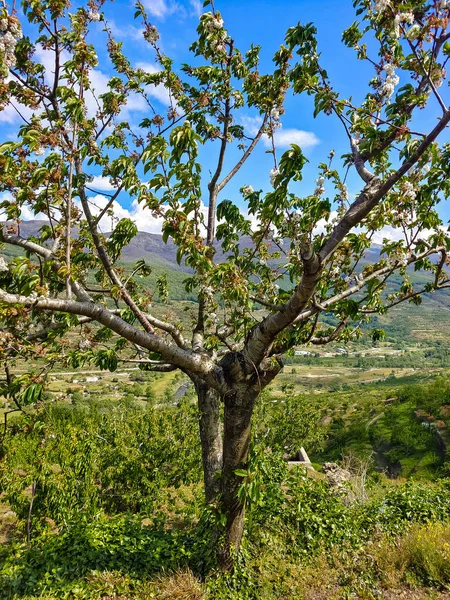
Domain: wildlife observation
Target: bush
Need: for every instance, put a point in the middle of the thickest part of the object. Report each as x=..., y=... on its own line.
x=90, y=460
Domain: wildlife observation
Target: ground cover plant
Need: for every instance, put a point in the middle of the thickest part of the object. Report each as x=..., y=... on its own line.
x=106, y=524
x=117, y=510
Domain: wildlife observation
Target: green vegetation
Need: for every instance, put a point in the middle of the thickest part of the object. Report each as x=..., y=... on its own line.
x=108, y=492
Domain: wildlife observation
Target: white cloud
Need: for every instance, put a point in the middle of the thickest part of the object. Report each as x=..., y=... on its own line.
x=28, y=214
x=142, y=216
x=251, y=124
x=99, y=85
x=392, y=234
x=146, y=221
x=159, y=92
x=160, y=8
x=101, y=183
x=197, y=6
x=10, y=113
x=283, y=137
x=126, y=31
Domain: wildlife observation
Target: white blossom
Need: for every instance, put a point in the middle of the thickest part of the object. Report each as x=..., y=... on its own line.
x=413, y=33
x=216, y=22
x=247, y=190
x=443, y=4
x=10, y=32
x=151, y=35
x=344, y=192
x=398, y=257
x=391, y=80
x=218, y=46
x=120, y=134
x=438, y=75
x=206, y=290
x=406, y=17
x=84, y=344
x=94, y=15
x=381, y=5
x=273, y=175
x=275, y=118
x=213, y=22
x=3, y=264
x=408, y=190
x=389, y=68
x=16, y=29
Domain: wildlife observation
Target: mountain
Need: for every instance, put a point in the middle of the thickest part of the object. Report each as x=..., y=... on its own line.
x=149, y=246
x=430, y=321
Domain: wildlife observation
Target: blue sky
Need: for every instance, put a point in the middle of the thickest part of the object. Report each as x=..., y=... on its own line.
x=248, y=21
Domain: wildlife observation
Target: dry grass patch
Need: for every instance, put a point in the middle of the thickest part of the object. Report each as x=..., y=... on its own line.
x=182, y=585
x=421, y=556
x=8, y=523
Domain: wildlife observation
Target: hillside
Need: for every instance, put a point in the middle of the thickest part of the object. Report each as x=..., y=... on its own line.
x=149, y=246
x=405, y=321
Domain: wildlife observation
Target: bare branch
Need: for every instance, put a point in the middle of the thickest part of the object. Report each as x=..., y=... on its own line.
x=358, y=161
x=47, y=254
x=151, y=365
x=326, y=339
x=199, y=364
x=245, y=156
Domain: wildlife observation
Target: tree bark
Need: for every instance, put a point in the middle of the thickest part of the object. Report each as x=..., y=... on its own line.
x=239, y=404
x=210, y=437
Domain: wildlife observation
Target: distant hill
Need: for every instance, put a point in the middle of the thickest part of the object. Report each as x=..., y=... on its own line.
x=430, y=321
x=149, y=246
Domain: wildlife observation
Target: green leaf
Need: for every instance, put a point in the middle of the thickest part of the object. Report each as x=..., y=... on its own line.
x=241, y=473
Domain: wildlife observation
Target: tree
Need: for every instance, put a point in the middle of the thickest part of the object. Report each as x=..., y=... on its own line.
x=264, y=277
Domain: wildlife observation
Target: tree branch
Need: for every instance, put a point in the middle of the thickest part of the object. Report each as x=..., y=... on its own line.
x=199, y=364
x=326, y=339
x=245, y=156
x=47, y=254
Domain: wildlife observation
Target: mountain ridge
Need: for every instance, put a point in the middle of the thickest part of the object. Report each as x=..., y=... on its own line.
x=152, y=248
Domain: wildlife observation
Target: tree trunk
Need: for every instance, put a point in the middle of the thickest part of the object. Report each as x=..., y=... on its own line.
x=239, y=405
x=210, y=437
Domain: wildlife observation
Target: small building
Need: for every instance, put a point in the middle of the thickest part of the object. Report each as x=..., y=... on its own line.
x=301, y=458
